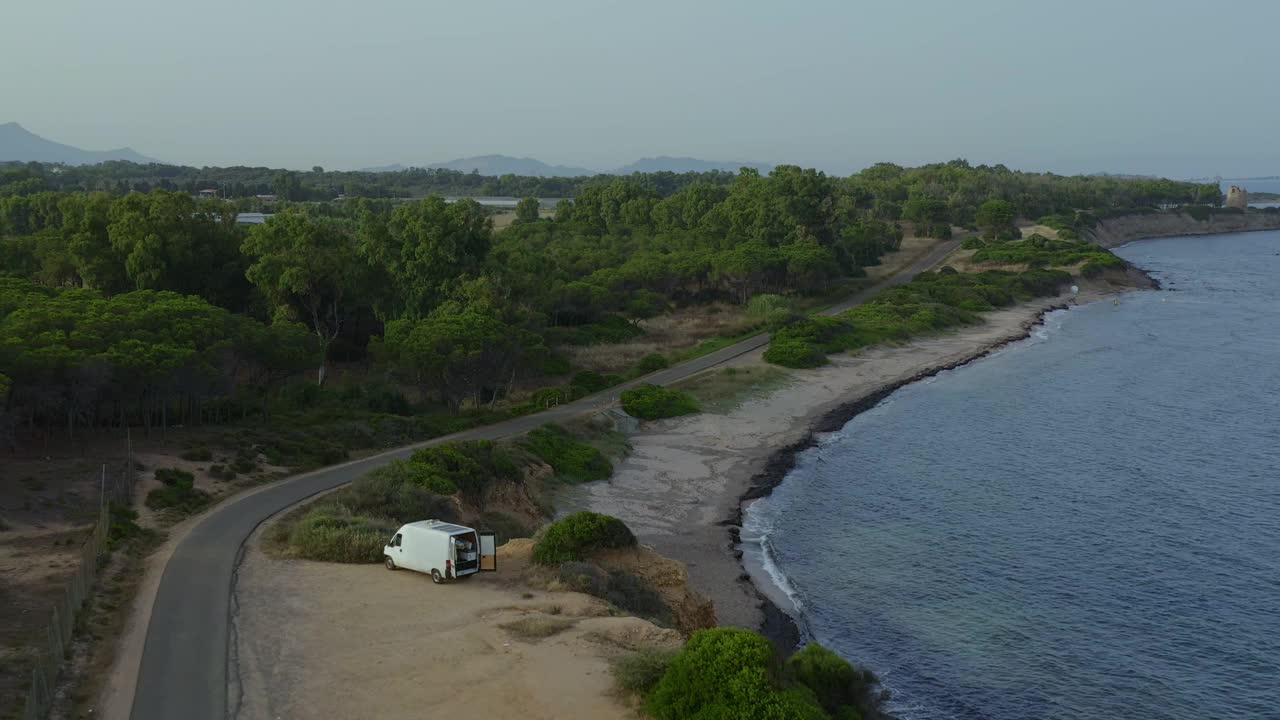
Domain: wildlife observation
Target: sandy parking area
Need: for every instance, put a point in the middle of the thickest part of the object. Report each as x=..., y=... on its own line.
x=323, y=640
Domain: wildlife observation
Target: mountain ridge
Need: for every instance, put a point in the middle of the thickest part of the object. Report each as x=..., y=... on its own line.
x=495, y=165
x=20, y=144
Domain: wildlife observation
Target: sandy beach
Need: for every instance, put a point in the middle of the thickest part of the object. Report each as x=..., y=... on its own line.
x=684, y=485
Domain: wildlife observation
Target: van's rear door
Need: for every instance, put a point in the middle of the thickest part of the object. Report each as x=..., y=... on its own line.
x=488, y=552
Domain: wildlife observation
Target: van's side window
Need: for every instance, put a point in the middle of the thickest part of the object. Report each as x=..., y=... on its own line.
x=395, y=542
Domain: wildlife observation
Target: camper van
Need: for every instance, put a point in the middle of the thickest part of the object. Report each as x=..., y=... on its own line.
x=444, y=550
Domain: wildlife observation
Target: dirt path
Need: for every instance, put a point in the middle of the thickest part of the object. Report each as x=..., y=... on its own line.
x=323, y=640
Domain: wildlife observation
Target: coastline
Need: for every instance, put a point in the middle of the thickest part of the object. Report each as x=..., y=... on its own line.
x=783, y=628
x=685, y=488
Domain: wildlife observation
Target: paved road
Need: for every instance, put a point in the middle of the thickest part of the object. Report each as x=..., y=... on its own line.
x=184, y=662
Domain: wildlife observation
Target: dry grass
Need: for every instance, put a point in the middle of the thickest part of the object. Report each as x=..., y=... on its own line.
x=912, y=249
x=664, y=334
x=724, y=390
x=1045, y=230
x=537, y=627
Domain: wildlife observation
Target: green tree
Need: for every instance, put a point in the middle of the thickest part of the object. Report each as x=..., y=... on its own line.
x=309, y=269
x=425, y=247
x=458, y=354
x=996, y=219
x=527, y=210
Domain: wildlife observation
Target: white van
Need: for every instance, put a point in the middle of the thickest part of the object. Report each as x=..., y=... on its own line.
x=444, y=550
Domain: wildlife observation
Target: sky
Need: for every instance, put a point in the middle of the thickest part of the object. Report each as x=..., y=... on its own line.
x=1178, y=88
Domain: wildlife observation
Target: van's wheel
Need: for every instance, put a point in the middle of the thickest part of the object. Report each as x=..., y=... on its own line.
x=436, y=577
x=391, y=564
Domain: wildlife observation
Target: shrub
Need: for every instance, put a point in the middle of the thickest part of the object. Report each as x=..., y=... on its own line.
x=631, y=593
x=610, y=329
x=421, y=474
x=549, y=396
x=173, y=477
x=218, y=472
x=651, y=363
x=472, y=466
x=178, y=493
x=578, y=535
x=572, y=459
x=841, y=689
x=588, y=382
x=330, y=532
x=793, y=353
x=556, y=365
x=725, y=673
x=653, y=402
x=200, y=454
x=640, y=671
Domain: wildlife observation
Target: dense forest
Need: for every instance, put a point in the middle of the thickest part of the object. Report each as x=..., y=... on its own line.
x=126, y=300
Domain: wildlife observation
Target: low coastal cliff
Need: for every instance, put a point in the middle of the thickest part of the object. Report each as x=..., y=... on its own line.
x=1114, y=232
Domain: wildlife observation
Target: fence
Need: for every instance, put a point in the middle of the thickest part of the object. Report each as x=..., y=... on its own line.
x=62, y=621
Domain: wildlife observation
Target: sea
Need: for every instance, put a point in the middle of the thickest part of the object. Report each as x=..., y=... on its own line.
x=1085, y=524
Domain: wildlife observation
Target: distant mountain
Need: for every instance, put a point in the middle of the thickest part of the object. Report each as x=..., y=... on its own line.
x=507, y=165
x=393, y=167
x=686, y=164
x=18, y=143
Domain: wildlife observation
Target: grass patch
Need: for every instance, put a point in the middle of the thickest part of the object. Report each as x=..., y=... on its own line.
x=654, y=402
x=537, y=627
x=724, y=390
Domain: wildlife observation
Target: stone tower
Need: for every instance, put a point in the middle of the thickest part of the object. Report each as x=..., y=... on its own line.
x=1237, y=197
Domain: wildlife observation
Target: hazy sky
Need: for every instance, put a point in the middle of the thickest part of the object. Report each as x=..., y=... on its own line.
x=1172, y=87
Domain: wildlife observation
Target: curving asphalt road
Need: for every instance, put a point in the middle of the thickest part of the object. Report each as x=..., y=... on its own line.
x=183, y=673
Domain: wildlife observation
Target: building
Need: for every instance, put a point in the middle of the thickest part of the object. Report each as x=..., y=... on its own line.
x=1237, y=197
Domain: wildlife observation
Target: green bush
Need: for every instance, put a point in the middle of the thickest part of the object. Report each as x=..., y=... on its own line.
x=588, y=382
x=728, y=673
x=610, y=329
x=200, y=454
x=842, y=690
x=651, y=363
x=572, y=459
x=1038, y=250
x=578, y=535
x=173, y=477
x=549, y=396
x=653, y=402
x=472, y=467
x=332, y=534
x=556, y=365
x=640, y=671
x=420, y=474
x=794, y=352
x=931, y=302
x=178, y=493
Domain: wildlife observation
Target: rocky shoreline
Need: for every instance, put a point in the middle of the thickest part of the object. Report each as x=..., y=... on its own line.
x=782, y=629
